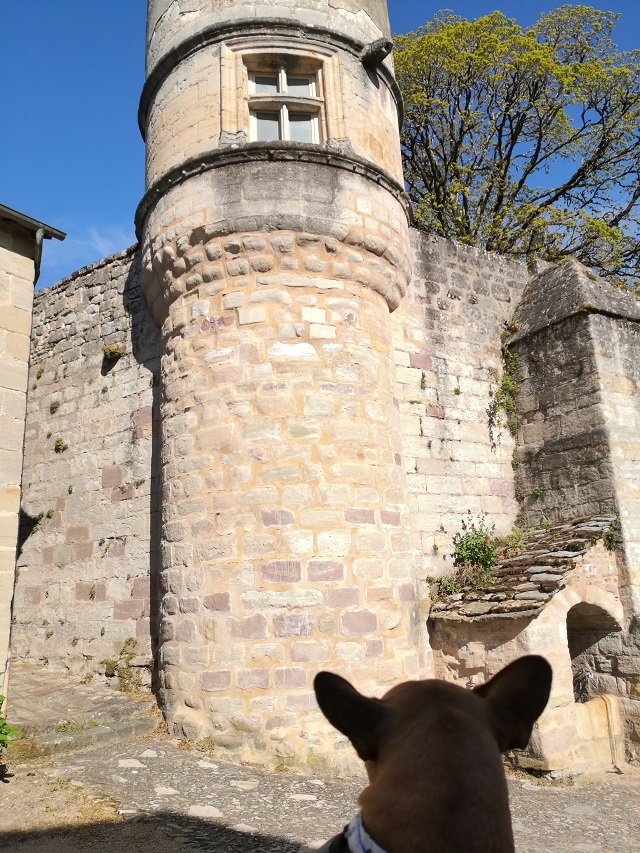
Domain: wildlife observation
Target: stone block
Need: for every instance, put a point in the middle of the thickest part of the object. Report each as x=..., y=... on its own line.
x=293, y=625
x=343, y=597
x=250, y=628
x=251, y=314
x=359, y=516
x=321, y=332
x=290, y=677
x=233, y=300
x=220, y=601
x=112, y=477
x=336, y=543
x=282, y=571
x=310, y=651
x=133, y=608
x=250, y=679
x=356, y=623
x=319, y=571
x=212, y=680
x=11, y=466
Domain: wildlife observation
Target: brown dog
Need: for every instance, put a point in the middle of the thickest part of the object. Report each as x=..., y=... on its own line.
x=432, y=754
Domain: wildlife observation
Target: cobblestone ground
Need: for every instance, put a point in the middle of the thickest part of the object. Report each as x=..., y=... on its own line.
x=171, y=798
x=135, y=792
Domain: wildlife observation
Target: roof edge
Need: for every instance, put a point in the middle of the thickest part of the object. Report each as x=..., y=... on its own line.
x=32, y=224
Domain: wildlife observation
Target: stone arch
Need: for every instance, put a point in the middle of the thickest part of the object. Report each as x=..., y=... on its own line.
x=591, y=638
x=554, y=626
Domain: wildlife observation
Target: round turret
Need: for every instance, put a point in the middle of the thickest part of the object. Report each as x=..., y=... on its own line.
x=275, y=243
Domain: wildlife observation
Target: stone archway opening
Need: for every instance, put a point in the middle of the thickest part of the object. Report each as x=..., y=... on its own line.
x=593, y=643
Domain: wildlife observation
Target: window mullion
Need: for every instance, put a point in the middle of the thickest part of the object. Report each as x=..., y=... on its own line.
x=285, y=132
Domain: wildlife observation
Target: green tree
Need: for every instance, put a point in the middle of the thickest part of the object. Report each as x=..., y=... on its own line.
x=525, y=141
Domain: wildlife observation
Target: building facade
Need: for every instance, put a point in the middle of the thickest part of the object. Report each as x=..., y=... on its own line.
x=251, y=438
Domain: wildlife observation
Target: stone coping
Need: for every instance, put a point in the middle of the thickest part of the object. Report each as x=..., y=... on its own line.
x=568, y=288
x=520, y=586
x=125, y=254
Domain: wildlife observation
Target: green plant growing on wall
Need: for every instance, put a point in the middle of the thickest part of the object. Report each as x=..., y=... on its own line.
x=6, y=731
x=475, y=551
x=69, y=490
x=60, y=446
x=445, y=585
x=127, y=679
x=512, y=544
x=53, y=408
x=49, y=513
x=67, y=726
x=92, y=593
x=523, y=522
x=503, y=405
x=112, y=352
x=537, y=492
x=474, y=557
x=612, y=536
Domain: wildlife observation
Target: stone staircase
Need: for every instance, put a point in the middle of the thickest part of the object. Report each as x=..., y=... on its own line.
x=57, y=712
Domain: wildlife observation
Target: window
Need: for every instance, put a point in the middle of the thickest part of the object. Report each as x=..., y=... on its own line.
x=284, y=105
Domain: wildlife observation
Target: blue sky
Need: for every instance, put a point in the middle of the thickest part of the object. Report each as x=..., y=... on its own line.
x=72, y=71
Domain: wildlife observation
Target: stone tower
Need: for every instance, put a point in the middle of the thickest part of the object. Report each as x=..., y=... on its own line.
x=275, y=241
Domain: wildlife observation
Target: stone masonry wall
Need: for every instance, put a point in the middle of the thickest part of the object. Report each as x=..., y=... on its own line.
x=285, y=540
x=16, y=299
x=578, y=408
x=447, y=352
x=89, y=487
x=617, y=355
x=563, y=445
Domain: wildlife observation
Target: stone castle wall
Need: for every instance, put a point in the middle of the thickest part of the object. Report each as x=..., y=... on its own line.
x=275, y=531
x=89, y=489
x=578, y=409
x=447, y=343
x=446, y=337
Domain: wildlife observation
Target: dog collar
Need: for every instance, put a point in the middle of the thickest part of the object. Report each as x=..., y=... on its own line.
x=358, y=839
x=354, y=838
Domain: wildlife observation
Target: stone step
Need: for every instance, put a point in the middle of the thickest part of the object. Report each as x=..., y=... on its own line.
x=118, y=732
x=115, y=709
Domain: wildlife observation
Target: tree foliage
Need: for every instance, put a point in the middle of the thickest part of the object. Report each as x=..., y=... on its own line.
x=525, y=141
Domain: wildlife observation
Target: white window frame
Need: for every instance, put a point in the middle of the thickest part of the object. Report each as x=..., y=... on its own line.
x=283, y=102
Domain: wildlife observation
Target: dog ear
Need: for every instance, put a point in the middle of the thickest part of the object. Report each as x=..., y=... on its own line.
x=517, y=695
x=359, y=718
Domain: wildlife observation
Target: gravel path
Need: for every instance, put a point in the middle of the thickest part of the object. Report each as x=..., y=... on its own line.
x=123, y=790
x=153, y=794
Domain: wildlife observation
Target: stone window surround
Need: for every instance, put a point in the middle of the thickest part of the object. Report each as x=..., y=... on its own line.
x=240, y=60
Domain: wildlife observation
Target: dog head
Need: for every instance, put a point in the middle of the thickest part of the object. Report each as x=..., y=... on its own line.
x=432, y=754
x=508, y=705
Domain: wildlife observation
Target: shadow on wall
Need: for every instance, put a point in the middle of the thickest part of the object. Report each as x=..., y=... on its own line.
x=146, y=348
x=163, y=832
x=591, y=636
